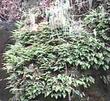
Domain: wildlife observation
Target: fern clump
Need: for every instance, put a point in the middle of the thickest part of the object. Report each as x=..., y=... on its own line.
x=49, y=63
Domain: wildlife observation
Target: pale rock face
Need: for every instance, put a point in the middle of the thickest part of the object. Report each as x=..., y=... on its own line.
x=59, y=17
x=56, y=13
x=90, y=3
x=32, y=21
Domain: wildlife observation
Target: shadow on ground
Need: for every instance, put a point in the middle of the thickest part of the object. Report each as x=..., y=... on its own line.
x=4, y=37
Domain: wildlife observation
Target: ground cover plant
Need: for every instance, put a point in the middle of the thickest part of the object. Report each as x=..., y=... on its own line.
x=52, y=63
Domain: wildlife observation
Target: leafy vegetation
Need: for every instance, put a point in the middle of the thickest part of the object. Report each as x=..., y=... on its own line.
x=52, y=63
x=99, y=22
x=51, y=60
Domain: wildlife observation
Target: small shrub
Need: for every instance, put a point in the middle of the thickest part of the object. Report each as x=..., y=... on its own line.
x=50, y=62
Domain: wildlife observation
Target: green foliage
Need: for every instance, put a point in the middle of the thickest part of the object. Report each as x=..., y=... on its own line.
x=99, y=22
x=90, y=53
x=49, y=62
